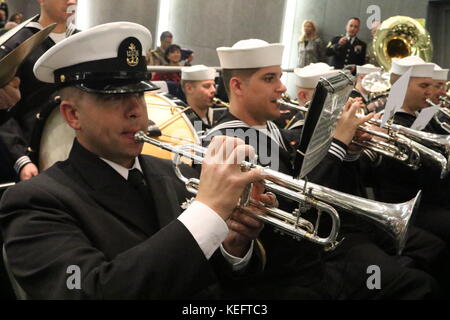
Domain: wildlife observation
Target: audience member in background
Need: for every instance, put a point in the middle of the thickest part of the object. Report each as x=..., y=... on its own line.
x=347, y=49
x=156, y=57
x=311, y=48
x=173, y=57
x=16, y=17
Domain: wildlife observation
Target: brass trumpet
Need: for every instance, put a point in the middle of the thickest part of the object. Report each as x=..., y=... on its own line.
x=220, y=103
x=393, y=218
x=410, y=146
x=395, y=145
x=442, y=117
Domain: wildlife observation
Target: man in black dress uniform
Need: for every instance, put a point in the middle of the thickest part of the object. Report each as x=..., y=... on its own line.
x=347, y=49
x=111, y=214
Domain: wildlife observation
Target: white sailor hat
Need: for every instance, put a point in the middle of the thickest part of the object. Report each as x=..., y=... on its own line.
x=108, y=58
x=419, y=67
x=308, y=77
x=439, y=73
x=251, y=53
x=198, y=73
x=367, y=68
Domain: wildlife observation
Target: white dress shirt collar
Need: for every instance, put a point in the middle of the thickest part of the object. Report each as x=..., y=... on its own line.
x=122, y=170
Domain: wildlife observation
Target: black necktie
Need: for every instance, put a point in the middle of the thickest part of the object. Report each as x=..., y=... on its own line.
x=137, y=181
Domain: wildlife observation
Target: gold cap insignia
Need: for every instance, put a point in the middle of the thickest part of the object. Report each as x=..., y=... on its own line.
x=132, y=55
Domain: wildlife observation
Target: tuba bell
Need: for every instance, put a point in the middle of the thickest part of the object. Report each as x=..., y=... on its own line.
x=400, y=37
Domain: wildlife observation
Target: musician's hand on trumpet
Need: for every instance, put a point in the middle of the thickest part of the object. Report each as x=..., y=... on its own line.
x=244, y=227
x=349, y=122
x=222, y=180
x=362, y=136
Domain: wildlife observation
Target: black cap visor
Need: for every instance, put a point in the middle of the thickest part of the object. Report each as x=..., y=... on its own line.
x=117, y=87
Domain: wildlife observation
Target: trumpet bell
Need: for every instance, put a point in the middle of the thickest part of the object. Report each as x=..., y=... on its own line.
x=397, y=224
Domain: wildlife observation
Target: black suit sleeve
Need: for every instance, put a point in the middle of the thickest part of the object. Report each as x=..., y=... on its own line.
x=13, y=137
x=43, y=241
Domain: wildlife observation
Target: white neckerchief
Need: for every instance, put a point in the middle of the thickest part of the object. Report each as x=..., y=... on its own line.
x=122, y=170
x=270, y=129
x=56, y=37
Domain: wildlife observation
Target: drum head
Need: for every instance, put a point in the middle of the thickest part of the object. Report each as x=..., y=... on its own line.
x=171, y=120
x=56, y=140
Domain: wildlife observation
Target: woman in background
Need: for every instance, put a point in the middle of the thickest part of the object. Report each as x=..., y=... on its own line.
x=17, y=18
x=173, y=56
x=311, y=48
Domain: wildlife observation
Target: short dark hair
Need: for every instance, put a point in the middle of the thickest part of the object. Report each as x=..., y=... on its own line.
x=355, y=18
x=227, y=74
x=170, y=49
x=165, y=34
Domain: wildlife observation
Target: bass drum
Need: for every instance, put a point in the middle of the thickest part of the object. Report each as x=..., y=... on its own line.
x=170, y=115
x=53, y=138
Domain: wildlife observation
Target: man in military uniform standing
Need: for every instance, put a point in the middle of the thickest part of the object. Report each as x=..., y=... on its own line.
x=347, y=49
x=156, y=57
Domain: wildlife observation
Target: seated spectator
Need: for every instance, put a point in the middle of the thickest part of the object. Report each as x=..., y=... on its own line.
x=17, y=18
x=156, y=57
x=173, y=57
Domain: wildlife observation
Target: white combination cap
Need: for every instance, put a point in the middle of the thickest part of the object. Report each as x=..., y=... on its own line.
x=419, y=67
x=251, y=53
x=439, y=73
x=367, y=68
x=198, y=73
x=308, y=77
x=108, y=58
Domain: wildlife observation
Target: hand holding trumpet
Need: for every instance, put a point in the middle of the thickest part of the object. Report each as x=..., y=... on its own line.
x=222, y=183
x=349, y=121
x=222, y=180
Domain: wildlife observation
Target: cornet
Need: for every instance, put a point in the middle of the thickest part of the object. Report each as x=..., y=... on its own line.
x=395, y=145
x=442, y=117
x=412, y=147
x=393, y=218
x=220, y=103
